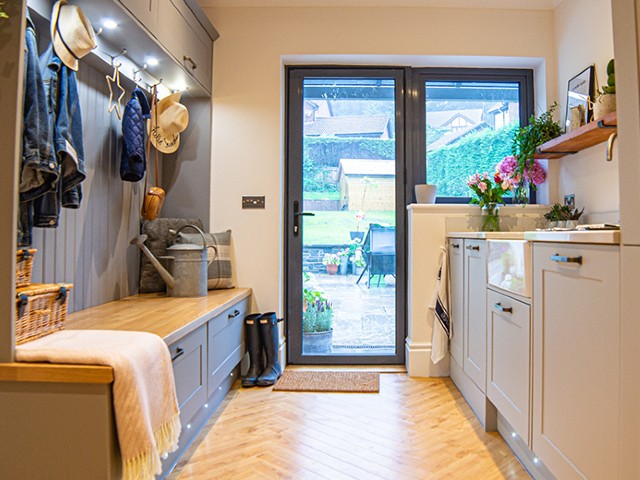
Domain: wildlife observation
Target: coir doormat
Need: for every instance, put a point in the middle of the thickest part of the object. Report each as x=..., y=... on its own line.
x=318, y=381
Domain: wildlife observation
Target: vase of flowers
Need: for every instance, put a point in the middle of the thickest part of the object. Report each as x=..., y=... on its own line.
x=533, y=174
x=488, y=194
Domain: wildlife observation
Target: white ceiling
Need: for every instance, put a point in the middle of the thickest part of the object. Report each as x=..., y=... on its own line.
x=501, y=4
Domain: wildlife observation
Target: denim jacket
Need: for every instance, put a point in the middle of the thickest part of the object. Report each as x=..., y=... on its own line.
x=65, y=122
x=39, y=171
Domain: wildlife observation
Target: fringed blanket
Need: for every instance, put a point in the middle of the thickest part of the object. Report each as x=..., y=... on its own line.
x=144, y=396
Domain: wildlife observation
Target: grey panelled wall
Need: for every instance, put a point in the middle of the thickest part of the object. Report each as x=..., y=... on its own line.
x=90, y=248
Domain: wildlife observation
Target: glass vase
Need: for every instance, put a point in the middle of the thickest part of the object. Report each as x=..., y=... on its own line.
x=521, y=194
x=491, y=217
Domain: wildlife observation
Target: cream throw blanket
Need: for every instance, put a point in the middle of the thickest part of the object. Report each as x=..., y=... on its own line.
x=144, y=397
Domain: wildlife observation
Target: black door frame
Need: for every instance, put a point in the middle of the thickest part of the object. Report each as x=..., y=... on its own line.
x=293, y=192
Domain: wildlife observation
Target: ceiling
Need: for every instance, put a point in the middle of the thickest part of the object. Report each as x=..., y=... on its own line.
x=501, y=4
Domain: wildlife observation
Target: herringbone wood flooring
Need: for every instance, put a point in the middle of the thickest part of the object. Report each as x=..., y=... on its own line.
x=413, y=429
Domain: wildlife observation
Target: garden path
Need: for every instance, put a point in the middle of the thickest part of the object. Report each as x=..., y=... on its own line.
x=364, y=318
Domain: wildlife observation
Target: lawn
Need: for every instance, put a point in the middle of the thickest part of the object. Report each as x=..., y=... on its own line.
x=333, y=227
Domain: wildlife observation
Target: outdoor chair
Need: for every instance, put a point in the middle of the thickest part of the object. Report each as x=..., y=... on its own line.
x=379, y=251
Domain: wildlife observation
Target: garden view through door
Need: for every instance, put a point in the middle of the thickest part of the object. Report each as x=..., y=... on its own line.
x=348, y=245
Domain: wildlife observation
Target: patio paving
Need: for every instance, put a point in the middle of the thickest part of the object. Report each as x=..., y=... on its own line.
x=364, y=318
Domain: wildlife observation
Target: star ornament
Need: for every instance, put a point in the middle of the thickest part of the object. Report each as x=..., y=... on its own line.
x=115, y=104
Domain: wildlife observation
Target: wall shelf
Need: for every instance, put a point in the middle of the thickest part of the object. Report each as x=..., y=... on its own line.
x=583, y=137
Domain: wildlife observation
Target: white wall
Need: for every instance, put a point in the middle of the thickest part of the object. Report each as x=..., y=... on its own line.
x=248, y=134
x=584, y=36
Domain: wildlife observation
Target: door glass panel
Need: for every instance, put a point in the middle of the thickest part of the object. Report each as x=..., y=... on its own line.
x=469, y=129
x=349, y=184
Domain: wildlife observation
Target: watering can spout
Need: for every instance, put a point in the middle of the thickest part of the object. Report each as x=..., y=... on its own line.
x=166, y=276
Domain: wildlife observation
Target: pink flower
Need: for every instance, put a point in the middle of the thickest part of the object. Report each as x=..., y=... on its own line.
x=482, y=186
x=473, y=180
x=535, y=173
x=507, y=166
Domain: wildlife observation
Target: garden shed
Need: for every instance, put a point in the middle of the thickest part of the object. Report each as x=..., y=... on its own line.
x=366, y=184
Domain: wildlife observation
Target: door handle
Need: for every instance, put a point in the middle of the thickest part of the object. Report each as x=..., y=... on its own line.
x=179, y=353
x=503, y=309
x=188, y=59
x=455, y=245
x=563, y=259
x=234, y=314
x=474, y=247
x=296, y=216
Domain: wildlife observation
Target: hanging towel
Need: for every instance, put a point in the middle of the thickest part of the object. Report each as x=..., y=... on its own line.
x=439, y=305
x=144, y=397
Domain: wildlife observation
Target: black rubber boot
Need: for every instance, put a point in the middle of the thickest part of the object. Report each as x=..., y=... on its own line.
x=253, y=344
x=269, y=335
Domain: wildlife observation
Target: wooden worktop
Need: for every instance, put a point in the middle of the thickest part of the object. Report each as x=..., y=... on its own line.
x=169, y=317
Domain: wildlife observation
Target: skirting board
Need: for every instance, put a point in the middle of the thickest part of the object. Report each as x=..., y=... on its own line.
x=526, y=457
x=419, y=364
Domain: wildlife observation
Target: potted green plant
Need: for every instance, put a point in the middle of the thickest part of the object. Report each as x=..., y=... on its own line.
x=358, y=235
x=317, y=322
x=573, y=217
x=554, y=215
x=525, y=142
x=605, y=101
x=331, y=261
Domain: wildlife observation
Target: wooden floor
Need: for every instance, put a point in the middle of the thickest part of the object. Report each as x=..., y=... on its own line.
x=413, y=429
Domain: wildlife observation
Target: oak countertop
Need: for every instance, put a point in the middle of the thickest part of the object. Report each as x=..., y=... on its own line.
x=169, y=317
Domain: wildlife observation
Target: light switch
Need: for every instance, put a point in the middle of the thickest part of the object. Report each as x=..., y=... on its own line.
x=253, y=201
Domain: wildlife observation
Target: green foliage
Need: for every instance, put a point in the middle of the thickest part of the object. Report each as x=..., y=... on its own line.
x=317, y=313
x=610, y=87
x=449, y=166
x=528, y=138
x=318, y=178
x=329, y=150
x=563, y=212
x=3, y=14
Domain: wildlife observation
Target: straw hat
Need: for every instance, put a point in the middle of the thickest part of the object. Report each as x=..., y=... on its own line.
x=173, y=118
x=71, y=33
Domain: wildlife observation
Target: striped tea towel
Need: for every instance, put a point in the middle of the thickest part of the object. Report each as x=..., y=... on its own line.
x=144, y=396
x=439, y=304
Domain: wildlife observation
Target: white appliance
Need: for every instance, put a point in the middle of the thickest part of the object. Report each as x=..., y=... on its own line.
x=509, y=266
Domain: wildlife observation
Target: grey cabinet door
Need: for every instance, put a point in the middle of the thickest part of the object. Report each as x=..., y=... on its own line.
x=183, y=36
x=456, y=310
x=190, y=371
x=475, y=311
x=145, y=11
x=226, y=343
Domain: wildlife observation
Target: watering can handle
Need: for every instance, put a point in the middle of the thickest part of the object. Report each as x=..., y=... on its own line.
x=204, y=241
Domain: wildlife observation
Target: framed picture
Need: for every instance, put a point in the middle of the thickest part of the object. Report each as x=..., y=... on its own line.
x=580, y=92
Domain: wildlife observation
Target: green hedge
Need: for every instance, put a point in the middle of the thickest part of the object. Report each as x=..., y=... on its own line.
x=329, y=150
x=449, y=166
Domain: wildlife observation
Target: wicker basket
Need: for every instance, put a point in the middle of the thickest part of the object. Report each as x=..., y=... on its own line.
x=24, y=265
x=41, y=309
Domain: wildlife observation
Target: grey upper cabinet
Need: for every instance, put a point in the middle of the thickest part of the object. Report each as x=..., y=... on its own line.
x=186, y=40
x=145, y=11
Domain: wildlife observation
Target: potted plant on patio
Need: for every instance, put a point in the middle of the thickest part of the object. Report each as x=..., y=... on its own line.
x=331, y=261
x=317, y=322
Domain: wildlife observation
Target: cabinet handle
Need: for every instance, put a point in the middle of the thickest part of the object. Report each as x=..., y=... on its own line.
x=563, y=259
x=234, y=314
x=187, y=58
x=503, y=309
x=455, y=245
x=474, y=247
x=179, y=353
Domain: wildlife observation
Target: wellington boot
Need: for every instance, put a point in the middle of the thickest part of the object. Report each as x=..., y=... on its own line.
x=270, y=341
x=253, y=344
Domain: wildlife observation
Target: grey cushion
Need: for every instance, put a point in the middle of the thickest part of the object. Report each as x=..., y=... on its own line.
x=218, y=252
x=159, y=238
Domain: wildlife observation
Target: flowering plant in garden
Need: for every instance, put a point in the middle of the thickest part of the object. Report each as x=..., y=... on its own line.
x=359, y=217
x=489, y=190
x=317, y=311
x=331, y=259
